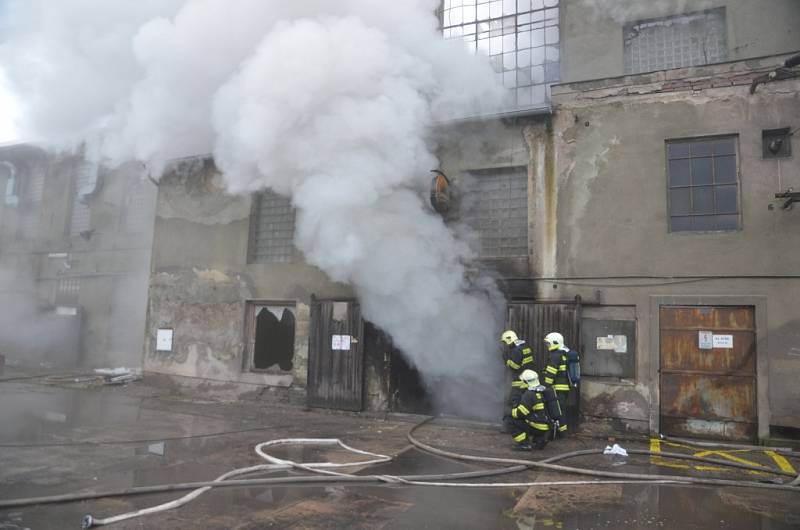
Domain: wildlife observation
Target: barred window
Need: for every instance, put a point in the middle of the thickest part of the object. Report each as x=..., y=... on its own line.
x=31, y=204
x=67, y=292
x=495, y=205
x=271, y=229
x=674, y=42
x=85, y=186
x=703, y=184
x=520, y=37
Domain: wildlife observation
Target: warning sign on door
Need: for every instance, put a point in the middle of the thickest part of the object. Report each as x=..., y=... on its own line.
x=723, y=341
x=705, y=340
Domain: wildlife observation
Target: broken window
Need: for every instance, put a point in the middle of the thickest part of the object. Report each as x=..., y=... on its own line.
x=495, y=206
x=520, y=38
x=272, y=330
x=30, y=206
x=271, y=229
x=703, y=184
x=85, y=185
x=674, y=42
x=9, y=172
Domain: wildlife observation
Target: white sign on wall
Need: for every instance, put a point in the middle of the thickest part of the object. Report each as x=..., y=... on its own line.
x=618, y=343
x=723, y=341
x=705, y=340
x=340, y=342
x=164, y=340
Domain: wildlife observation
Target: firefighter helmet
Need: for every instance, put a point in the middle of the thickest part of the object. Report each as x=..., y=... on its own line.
x=530, y=378
x=508, y=337
x=554, y=341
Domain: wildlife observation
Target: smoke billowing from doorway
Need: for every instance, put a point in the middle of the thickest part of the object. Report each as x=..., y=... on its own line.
x=332, y=103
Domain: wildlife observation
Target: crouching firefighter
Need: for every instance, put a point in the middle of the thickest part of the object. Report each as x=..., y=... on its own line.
x=530, y=421
x=561, y=373
x=517, y=356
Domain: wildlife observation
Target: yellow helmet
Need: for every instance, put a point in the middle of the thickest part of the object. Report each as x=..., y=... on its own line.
x=509, y=337
x=530, y=378
x=554, y=341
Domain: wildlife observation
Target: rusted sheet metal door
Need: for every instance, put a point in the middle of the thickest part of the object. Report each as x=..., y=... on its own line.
x=708, y=384
x=336, y=356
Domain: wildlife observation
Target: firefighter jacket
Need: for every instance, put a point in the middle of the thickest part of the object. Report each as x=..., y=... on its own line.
x=531, y=409
x=518, y=358
x=555, y=373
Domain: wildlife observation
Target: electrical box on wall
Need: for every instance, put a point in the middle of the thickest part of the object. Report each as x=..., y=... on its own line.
x=776, y=143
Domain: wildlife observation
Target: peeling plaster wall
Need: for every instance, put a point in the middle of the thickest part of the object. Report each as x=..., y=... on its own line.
x=613, y=219
x=592, y=40
x=201, y=282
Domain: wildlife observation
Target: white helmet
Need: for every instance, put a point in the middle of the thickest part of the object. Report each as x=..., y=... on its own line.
x=530, y=378
x=508, y=337
x=554, y=341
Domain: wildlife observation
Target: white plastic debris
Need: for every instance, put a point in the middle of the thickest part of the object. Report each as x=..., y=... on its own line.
x=615, y=449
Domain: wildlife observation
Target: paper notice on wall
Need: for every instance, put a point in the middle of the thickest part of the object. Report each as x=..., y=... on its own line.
x=704, y=340
x=346, y=342
x=618, y=343
x=336, y=342
x=164, y=340
x=723, y=341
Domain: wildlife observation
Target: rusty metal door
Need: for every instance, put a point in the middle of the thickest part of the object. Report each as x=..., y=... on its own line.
x=336, y=355
x=708, y=372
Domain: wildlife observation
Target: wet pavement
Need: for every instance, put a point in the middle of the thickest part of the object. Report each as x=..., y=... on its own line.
x=57, y=439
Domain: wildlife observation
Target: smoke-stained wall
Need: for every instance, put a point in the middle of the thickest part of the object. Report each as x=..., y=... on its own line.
x=613, y=222
x=593, y=37
x=75, y=243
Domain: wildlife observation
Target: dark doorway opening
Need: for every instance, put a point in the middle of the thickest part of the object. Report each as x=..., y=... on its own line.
x=407, y=389
x=400, y=381
x=274, y=341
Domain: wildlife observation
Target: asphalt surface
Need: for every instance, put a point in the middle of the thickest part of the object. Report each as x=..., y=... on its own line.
x=59, y=436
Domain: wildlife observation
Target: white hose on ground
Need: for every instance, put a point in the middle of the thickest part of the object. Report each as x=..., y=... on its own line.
x=275, y=464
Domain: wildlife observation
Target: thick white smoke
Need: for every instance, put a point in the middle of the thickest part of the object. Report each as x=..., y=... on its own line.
x=330, y=102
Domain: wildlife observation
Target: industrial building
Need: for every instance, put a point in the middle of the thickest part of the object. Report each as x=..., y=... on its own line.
x=636, y=194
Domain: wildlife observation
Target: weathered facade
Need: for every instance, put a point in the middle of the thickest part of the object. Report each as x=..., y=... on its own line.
x=74, y=258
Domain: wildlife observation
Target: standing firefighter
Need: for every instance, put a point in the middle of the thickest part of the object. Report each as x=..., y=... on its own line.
x=518, y=356
x=530, y=421
x=557, y=374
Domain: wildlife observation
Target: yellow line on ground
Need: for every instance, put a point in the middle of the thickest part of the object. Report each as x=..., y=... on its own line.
x=781, y=461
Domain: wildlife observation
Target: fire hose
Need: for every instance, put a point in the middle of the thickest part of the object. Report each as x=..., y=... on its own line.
x=323, y=473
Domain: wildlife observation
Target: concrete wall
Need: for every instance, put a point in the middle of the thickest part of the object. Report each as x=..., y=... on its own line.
x=110, y=261
x=201, y=283
x=592, y=40
x=612, y=221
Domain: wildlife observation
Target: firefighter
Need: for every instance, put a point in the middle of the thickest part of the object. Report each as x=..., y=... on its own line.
x=530, y=421
x=556, y=373
x=517, y=356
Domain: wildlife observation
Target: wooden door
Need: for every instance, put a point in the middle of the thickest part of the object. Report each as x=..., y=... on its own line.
x=335, y=356
x=708, y=372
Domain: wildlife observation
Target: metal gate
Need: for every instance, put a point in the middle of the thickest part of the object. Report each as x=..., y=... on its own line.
x=335, y=355
x=708, y=372
x=532, y=321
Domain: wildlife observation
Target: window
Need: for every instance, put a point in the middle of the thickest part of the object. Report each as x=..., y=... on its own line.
x=67, y=292
x=520, y=37
x=85, y=186
x=674, y=42
x=9, y=172
x=703, y=184
x=30, y=207
x=272, y=229
x=271, y=330
x=495, y=205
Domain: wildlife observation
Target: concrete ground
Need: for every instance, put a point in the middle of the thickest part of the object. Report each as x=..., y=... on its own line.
x=151, y=435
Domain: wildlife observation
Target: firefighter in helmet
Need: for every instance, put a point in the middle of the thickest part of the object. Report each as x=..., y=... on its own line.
x=530, y=421
x=517, y=356
x=555, y=373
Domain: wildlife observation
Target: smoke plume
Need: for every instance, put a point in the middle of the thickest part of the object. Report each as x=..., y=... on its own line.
x=332, y=103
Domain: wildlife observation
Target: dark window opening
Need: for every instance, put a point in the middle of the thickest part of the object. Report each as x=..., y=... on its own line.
x=274, y=338
x=408, y=390
x=703, y=184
